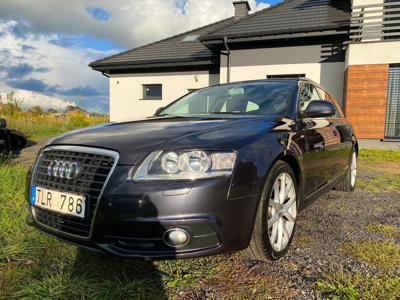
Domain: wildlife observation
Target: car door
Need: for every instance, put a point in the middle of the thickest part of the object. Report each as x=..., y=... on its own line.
x=341, y=147
x=322, y=139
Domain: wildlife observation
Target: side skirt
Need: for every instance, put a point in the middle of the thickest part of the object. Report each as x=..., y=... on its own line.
x=308, y=200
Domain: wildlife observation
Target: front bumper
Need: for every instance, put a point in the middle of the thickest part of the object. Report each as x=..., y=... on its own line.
x=131, y=218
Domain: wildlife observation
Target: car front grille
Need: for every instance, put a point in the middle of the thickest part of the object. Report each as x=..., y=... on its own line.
x=96, y=167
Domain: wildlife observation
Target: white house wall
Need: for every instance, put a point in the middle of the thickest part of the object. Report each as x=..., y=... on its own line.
x=126, y=91
x=322, y=63
x=387, y=52
x=329, y=75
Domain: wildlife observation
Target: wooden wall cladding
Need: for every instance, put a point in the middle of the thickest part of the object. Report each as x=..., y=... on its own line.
x=366, y=96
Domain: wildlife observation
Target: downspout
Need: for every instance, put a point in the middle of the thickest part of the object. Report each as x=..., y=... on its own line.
x=228, y=54
x=106, y=75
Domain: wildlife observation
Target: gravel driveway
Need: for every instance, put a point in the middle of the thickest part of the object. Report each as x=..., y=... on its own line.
x=330, y=235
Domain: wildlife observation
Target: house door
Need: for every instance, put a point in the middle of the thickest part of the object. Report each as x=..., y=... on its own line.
x=392, y=127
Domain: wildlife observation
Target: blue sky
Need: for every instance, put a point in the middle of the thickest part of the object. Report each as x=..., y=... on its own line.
x=49, y=53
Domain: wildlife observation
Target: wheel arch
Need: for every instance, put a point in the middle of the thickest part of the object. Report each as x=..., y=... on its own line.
x=294, y=164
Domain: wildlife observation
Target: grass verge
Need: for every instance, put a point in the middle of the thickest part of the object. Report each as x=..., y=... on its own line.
x=37, y=267
x=376, y=156
x=380, y=183
x=388, y=231
x=346, y=286
x=382, y=255
x=37, y=123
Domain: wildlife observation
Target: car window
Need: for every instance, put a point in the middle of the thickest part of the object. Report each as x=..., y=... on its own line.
x=308, y=93
x=251, y=106
x=253, y=98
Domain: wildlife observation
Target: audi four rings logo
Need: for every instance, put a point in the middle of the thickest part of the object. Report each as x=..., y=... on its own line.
x=64, y=169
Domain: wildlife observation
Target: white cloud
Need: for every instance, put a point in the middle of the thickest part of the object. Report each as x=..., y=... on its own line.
x=54, y=70
x=29, y=99
x=32, y=35
x=131, y=22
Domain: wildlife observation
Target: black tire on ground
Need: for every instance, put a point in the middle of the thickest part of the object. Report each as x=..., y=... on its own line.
x=346, y=185
x=260, y=247
x=18, y=140
x=3, y=148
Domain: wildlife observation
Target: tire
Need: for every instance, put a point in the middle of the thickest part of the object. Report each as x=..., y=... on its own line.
x=18, y=140
x=264, y=244
x=349, y=182
x=4, y=147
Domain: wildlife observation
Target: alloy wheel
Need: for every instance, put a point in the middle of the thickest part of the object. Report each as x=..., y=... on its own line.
x=353, y=169
x=282, y=211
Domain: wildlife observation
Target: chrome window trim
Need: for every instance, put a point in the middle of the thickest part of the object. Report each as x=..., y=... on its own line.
x=82, y=149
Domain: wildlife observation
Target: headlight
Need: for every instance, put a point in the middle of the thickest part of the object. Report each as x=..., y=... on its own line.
x=185, y=165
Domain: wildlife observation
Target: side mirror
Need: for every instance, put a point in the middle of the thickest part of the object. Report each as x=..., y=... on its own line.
x=3, y=123
x=319, y=109
x=158, y=111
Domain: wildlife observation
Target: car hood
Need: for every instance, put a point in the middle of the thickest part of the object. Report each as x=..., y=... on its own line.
x=133, y=140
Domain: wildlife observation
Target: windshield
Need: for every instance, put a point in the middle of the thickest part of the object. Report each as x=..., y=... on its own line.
x=256, y=98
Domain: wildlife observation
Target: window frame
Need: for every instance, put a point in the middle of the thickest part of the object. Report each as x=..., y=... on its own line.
x=332, y=100
x=299, y=113
x=147, y=85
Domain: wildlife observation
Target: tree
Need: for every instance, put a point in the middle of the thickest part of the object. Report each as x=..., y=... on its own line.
x=52, y=111
x=37, y=110
x=71, y=108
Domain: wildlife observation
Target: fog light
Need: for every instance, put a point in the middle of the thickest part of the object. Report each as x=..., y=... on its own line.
x=176, y=237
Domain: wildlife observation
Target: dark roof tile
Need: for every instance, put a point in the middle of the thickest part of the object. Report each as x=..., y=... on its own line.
x=289, y=17
x=170, y=49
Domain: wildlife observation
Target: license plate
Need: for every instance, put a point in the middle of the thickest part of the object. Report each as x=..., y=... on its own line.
x=64, y=203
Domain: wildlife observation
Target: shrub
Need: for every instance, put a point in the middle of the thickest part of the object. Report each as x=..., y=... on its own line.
x=36, y=123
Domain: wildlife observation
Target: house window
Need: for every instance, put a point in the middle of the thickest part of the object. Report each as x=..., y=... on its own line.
x=152, y=91
x=280, y=76
x=392, y=124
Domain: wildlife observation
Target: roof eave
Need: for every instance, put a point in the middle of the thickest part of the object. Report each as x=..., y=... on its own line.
x=149, y=65
x=322, y=31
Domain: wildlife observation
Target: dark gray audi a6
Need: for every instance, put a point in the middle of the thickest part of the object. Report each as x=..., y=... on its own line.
x=222, y=169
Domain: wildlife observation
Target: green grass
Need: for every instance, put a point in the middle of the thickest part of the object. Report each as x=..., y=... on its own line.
x=48, y=125
x=389, y=231
x=383, y=174
x=345, y=286
x=378, y=156
x=380, y=183
x=338, y=286
x=382, y=255
x=37, y=267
